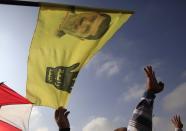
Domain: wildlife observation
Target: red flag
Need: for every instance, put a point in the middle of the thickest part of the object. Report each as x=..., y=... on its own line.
x=7, y=127
x=15, y=110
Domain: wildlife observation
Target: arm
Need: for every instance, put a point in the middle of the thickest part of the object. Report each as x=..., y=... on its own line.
x=62, y=121
x=64, y=129
x=142, y=114
x=176, y=121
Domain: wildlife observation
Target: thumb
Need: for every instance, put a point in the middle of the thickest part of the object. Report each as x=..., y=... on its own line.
x=67, y=113
x=161, y=85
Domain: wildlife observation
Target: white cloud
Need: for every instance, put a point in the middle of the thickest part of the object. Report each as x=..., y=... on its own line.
x=175, y=99
x=133, y=92
x=106, y=65
x=42, y=129
x=99, y=124
x=108, y=68
x=161, y=123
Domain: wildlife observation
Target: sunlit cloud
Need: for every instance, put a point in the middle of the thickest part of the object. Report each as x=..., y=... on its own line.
x=106, y=65
x=98, y=124
x=161, y=123
x=132, y=93
x=175, y=99
x=109, y=68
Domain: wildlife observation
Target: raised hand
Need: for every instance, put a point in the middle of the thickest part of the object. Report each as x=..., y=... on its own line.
x=152, y=84
x=61, y=117
x=176, y=121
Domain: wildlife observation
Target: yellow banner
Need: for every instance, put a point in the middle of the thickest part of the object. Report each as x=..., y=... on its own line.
x=65, y=39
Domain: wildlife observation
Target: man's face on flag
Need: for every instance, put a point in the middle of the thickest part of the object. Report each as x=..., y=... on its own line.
x=86, y=25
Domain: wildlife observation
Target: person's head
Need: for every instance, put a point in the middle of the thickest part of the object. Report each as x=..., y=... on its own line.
x=121, y=129
x=85, y=25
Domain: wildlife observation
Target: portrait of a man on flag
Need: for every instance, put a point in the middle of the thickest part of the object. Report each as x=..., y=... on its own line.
x=90, y=25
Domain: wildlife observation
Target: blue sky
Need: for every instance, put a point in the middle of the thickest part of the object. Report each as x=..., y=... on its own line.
x=109, y=87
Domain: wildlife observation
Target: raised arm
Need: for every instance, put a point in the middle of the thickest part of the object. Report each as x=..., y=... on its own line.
x=142, y=114
x=61, y=117
x=176, y=121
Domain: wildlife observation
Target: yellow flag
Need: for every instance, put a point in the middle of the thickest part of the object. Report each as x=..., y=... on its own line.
x=65, y=39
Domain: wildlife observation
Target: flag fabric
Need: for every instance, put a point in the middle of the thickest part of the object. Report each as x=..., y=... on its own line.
x=65, y=39
x=14, y=110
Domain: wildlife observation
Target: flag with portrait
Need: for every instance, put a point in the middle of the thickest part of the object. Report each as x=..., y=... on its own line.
x=65, y=39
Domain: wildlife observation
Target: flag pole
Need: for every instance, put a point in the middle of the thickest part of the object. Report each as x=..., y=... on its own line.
x=38, y=4
x=21, y=3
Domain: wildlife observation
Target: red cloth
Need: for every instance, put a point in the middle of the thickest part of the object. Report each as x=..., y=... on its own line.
x=14, y=110
x=7, y=127
x=9, y=96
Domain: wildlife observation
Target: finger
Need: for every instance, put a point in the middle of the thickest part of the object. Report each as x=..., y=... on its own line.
x=154, y=76
x=161, y=83
x=149, y=68
x=160, y=86
x=63, y=110
x=56, y=114
x=146, y=72
x=150, y=71
x=179, y=119
x=172, y=120
x=67, y=113
x=175, y=117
